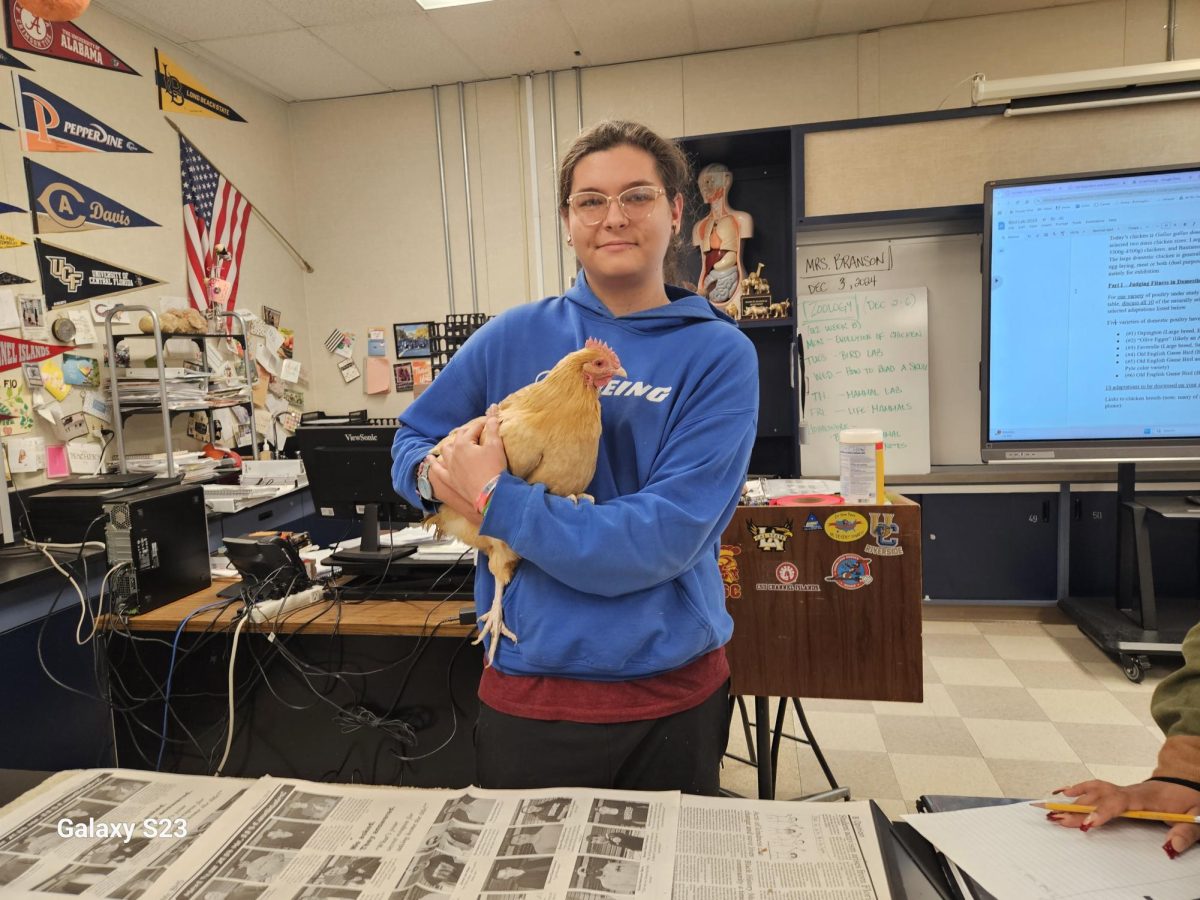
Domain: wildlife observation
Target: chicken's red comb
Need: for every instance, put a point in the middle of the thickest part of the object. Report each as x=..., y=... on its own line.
x=597, y=344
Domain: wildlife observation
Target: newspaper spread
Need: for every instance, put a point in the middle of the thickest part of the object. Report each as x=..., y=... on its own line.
x=134, y=835
x=742, y=849
x=108, y=832
x=301, y=840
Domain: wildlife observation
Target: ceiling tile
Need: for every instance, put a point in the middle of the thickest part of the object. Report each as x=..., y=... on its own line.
x=403, y=51
x=334, y=12
x=197, y=21
x=511, y=36
x=624, y=30
x=295, y=63
x=721, y=25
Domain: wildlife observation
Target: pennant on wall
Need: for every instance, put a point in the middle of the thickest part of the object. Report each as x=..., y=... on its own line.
x=68, y=276
x=8, y=242
x=15, y=351
x=10, y=278
x=180, y=91
x=61, y=204
x=58, y=40
x=8, y=207
x=7, y=59
x=49, y=123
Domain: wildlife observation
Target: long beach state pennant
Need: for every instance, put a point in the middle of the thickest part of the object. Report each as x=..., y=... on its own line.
x=180, y=91
x=15, y=351
x=68, y=276
x=8, y=242
x=49, y=123
x=62, y=204
x=58, y=40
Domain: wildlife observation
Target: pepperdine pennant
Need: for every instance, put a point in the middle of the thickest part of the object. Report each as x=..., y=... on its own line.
x=180, y=91
x=49, y=123
x=68, y=276
x=58, y=40
x=61, y=204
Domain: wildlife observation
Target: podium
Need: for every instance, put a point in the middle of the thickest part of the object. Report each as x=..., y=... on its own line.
x=826, y=602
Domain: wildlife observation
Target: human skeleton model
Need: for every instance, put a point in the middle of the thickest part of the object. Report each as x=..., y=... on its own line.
x=719, y=236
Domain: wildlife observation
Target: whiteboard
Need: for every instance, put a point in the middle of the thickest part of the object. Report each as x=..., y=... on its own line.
x=947, y=265
x=866, y=365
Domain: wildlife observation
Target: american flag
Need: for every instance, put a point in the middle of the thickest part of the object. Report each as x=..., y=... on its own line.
x=214, y=212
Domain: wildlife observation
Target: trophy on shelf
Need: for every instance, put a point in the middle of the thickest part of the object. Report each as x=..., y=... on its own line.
x=757, y=302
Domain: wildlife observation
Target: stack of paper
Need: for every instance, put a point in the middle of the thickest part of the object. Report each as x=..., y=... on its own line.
x=183, y=391
x=193, y=465
x=1013, y=852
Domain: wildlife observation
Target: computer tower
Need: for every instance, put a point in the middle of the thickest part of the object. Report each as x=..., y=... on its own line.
x=162, y=536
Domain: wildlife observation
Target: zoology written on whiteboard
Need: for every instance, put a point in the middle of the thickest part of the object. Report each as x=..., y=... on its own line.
x=866, y=365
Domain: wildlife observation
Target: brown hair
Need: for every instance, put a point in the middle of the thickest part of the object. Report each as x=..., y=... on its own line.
x=669, y=161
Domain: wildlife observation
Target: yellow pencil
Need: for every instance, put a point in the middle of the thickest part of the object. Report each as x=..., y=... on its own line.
x=1132, y=814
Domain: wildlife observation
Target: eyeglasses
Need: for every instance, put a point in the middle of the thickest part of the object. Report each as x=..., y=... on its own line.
x=591, y=207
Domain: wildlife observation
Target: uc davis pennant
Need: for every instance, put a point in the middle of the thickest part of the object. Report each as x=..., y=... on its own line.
x=180, y=91
x=58, y=40
x=49, y=123
x=60, y=204
x=68, y=276
x=14, y=351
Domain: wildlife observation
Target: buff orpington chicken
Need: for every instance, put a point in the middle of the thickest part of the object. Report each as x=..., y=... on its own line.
x=551, y=435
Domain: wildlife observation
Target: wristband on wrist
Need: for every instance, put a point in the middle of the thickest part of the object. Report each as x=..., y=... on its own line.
x=1182, y=782
x=484, y=500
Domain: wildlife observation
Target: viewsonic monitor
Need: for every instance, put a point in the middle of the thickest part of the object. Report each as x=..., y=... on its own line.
x=349, y=468
x=1091, y=318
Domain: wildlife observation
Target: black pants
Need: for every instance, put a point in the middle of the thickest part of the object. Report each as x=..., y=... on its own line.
x=679, y=752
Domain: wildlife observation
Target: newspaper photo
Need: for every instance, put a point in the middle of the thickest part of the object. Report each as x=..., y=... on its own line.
x=107, y=833
x=307, y=841
x=741, y=849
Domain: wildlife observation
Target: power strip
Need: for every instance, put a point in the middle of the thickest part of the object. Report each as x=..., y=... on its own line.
x=269, y=610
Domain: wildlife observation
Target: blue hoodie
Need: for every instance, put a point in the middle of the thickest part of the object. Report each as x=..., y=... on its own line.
x=628, y=587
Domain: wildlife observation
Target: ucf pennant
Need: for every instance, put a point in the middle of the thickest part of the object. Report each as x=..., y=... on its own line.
x=62, y=204
x=180, y=91
x=68, y=276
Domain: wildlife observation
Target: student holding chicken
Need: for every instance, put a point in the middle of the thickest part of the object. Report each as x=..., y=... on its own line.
x=604, y=611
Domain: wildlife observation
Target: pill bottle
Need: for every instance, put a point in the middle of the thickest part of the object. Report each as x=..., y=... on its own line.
x=860, y=462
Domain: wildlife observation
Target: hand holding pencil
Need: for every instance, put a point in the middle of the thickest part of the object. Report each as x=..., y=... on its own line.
x=1158, y=800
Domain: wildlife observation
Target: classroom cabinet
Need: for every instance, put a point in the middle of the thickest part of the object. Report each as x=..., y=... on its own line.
x=999, y=546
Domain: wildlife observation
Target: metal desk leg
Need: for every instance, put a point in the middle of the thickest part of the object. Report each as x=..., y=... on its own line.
x=762, y=727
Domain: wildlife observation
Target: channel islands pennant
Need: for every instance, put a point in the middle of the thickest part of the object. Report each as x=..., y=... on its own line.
x=14, y=351
x=68, y=276
x=48, y=123
x=58, y=40
x=180, y=91
x=61, y=204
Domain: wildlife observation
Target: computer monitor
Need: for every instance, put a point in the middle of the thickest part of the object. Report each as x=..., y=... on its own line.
x=1091, y=315
x=349, y=468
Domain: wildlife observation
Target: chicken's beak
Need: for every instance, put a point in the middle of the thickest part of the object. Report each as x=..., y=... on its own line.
x=621, y=371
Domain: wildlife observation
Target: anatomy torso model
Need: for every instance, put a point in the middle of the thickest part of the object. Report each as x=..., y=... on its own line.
x=719, y=236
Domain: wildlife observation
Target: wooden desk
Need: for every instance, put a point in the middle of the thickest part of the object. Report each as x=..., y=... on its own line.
x=407, y=659
x=384, y=618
